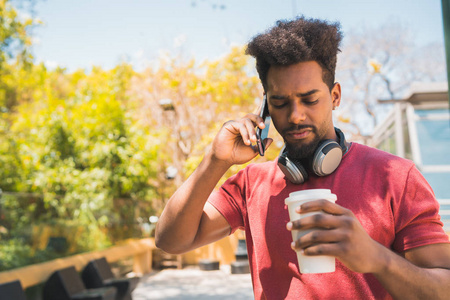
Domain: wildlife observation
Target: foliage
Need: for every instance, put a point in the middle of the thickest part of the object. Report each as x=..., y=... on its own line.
x=93, y=148
x=15, y=54
x=202, y=96
x=381, y=63
x=78, y=147
x=17, y=253
x=84, y=155
x=14, y=253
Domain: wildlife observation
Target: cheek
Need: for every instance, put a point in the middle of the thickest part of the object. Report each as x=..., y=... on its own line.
x=325, y=121
x=278, y=120
x=276, y=124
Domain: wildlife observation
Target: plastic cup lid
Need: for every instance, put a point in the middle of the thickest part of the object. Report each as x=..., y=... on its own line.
x=308, y=196
x=310, y=191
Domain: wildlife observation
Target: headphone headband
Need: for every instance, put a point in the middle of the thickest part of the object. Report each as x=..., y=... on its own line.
x=341, y=140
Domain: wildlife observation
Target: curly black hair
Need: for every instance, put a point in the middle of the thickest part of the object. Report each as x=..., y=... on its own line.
x=300, y=40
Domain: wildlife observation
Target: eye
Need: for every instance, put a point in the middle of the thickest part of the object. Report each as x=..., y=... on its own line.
x=279, y=105
x=311, y=102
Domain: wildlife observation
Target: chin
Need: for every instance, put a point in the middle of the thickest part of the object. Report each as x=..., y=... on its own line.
x=298, y=151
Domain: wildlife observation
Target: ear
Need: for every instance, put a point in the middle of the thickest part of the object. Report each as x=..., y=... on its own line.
x=336, y=95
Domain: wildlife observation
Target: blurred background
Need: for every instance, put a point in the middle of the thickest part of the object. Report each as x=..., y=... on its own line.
x=106, y=107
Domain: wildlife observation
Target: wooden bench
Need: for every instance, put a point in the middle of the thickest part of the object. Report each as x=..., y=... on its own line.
x=12, y=291
x=97, y=274
x=66, y=284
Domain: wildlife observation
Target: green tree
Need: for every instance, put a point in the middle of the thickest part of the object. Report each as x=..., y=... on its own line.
x=15, y=54
x=78, y=153
x=185, y=103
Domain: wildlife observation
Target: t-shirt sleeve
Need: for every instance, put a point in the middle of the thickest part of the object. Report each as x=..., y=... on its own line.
x=417, y=215
x=229, y=200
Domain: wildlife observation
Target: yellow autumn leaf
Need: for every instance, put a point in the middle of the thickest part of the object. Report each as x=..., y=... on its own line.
x=376, y=66
x=343, y=119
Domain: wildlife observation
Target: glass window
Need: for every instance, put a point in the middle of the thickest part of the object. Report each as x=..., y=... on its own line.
x=440, y=184
x=433, y=128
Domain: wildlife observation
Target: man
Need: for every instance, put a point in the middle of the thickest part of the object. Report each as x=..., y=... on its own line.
x=384, y=229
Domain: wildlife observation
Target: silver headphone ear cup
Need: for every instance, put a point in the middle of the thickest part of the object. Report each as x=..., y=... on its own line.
x=326, y=158
x=293, y=171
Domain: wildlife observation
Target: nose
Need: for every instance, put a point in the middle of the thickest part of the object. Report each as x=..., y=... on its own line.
x=297, y=113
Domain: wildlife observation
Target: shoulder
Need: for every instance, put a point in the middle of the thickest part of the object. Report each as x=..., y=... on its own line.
x=257, y=172
x=373, y=156
x=264, y=167
x=254, y=175
x=368, y=162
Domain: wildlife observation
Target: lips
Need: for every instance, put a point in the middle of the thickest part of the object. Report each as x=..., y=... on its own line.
x=298, y=134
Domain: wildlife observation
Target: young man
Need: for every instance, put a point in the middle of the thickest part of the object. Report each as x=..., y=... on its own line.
x=384, y=228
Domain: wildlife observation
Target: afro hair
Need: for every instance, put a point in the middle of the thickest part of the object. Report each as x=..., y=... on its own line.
x=300, y=40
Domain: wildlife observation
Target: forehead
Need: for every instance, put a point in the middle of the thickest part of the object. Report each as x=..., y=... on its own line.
x=299, y=76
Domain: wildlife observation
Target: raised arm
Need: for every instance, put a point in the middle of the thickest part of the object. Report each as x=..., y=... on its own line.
x=188, y=221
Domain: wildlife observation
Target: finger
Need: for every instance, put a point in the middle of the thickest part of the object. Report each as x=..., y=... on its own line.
x=253, y=117
x=315, y=237
x=322, y=205
x=250, y=122
x=331, y=249
x=250, y=127
x=256, y=119
x=238, y=128
x=258, y=109
x=244, y=128
x=318, y=220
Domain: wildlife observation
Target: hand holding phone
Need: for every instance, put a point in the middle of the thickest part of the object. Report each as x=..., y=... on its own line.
x=262, y=134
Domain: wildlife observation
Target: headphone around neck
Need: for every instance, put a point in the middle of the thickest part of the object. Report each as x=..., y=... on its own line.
x=325, y=160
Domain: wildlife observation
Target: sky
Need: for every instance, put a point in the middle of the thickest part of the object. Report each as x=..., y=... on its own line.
x=83, y=33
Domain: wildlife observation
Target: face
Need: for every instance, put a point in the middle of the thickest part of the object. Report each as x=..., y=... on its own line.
x=301, y=105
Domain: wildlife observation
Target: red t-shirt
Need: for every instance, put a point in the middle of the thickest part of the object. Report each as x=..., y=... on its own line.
x=388, y=195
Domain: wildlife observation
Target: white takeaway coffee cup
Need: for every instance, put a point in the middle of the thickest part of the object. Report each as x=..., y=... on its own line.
x=310, y=264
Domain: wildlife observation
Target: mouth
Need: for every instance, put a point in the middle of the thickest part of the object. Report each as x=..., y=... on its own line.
x=298, y=134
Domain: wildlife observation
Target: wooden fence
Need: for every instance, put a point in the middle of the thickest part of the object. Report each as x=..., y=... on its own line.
x=140, y=250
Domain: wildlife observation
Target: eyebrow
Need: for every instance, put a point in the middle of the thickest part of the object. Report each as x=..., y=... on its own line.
x=309, y=93
x=301, y=95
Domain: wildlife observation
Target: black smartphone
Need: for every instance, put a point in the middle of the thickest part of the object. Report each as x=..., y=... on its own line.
x=262, y=134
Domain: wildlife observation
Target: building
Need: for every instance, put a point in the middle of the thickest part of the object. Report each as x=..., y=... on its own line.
x=418, y=128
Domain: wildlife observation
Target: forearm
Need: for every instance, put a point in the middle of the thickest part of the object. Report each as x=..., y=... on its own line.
x=404, y=280
x=180, y=221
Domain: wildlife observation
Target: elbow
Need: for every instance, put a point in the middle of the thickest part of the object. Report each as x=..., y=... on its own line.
x=167, y=244
x=161, y=242
x=166, y=247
